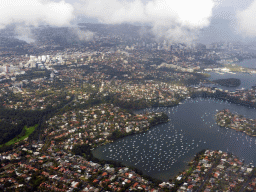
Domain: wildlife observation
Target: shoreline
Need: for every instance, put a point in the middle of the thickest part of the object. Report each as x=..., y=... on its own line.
x=225, y=118
x=192, y=97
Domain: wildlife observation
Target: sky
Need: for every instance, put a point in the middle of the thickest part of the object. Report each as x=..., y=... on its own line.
x=176, y=21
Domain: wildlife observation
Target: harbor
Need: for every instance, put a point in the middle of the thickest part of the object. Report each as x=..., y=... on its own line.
x=166, y=149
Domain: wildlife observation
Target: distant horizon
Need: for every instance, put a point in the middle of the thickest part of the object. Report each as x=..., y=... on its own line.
x=184, y=21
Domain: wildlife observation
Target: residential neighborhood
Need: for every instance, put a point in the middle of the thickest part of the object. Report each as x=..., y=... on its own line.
x=237, y=122
x=62, y=98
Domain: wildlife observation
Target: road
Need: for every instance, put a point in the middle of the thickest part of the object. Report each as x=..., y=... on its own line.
x=247, y=182
x=208, y=174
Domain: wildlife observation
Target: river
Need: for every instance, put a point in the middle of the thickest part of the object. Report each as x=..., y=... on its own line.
x=165, y=150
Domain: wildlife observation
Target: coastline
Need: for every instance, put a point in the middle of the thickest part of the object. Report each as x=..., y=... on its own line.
x=236, y=122
x=198, y=95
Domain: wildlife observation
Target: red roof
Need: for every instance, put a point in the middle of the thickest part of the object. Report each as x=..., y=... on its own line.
x=135, y=184
x=95, y=181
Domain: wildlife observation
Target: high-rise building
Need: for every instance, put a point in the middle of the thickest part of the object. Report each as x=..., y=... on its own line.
x=33, y=58
x=43, y=58
x=52, y=75
x=6, y=68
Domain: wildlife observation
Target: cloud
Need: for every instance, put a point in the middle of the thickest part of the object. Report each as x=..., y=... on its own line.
x=189, y=13
x=83, y=35
x=246, y=21
x=35, y=12
x=24, y=33
x=169, y=18
x=175, y=34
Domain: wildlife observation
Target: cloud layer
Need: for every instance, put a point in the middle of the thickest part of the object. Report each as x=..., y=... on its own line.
x=176, y=21
x=34, y=12
x=170, y=19
x=188, y=13
x=246, y=21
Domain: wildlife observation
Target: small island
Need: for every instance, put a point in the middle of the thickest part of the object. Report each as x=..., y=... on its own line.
x=230, y=82
x=225, y=118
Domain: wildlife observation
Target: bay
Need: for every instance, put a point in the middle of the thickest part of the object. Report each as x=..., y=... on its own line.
x=166, y=149
x=248, y=63
x=247, y=80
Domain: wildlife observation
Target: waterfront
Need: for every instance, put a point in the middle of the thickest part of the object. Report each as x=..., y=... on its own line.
x=166, y=149
x=247, y=80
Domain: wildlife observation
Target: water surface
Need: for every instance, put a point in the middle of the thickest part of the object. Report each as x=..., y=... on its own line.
x=247, y=80
x=165, y=150
x=248, y=63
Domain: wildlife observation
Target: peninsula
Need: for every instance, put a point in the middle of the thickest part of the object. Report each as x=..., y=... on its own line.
x=230, y=82
x=225, y=118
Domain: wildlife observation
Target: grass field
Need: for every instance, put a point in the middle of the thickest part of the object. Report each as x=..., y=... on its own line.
x=29, y=130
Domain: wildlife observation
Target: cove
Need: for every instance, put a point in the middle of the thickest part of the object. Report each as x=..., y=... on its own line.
x=165, y=149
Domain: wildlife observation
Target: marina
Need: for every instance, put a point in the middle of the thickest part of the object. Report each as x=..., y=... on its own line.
x=166, y=149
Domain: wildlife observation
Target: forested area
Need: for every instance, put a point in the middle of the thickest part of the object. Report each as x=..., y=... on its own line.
x=9, y=131
x=230, y=82
x=12, y=121
x=163, y=118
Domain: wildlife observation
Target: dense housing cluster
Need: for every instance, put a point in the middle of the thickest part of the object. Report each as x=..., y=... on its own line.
x=80, y=95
